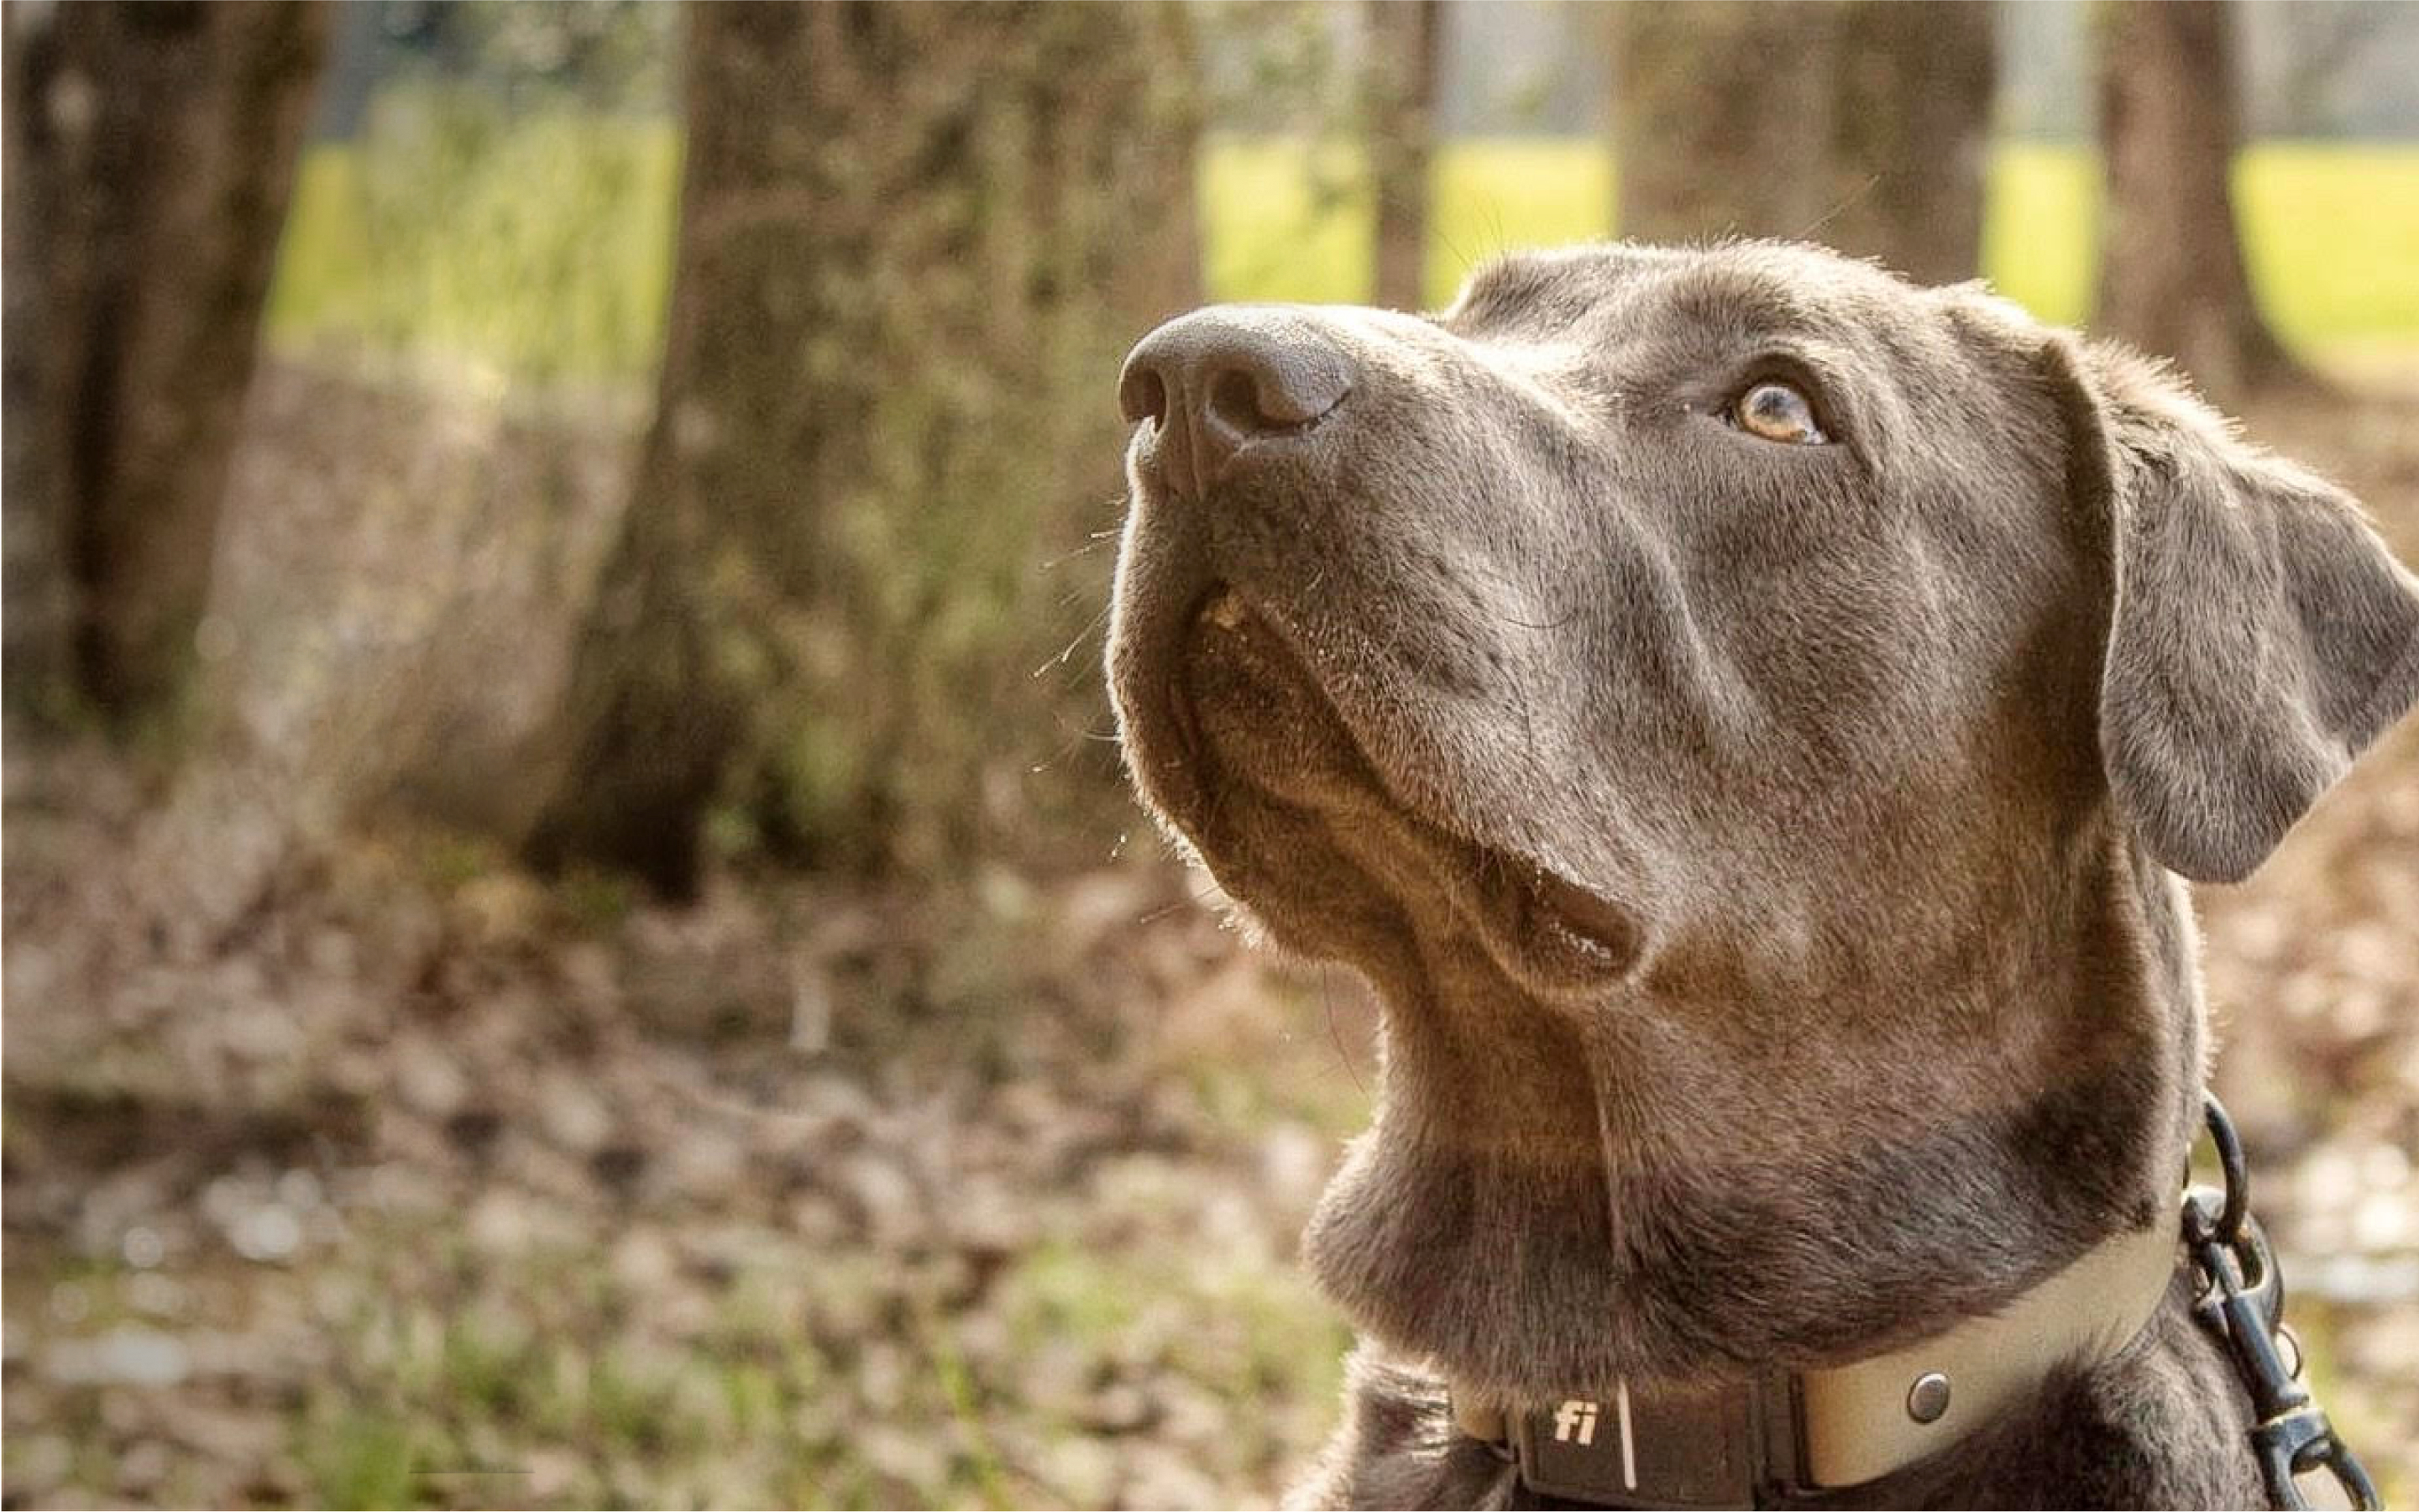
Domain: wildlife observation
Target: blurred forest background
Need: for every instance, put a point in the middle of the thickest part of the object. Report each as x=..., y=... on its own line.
x=573, y=932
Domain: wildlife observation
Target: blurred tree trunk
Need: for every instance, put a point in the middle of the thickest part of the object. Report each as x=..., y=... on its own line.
x=1911, y=136
x=2172, y=277
x=151, y=150
x=1406, y=47
x=1721, y=113
x=1864, y=125
x=913, y=242
x=39, y=600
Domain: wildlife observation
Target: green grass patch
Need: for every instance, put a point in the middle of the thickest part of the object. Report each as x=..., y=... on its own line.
x=1062, y=1290
x=1493, y=197
x=2331, y=229
x=2041, y=228
x=540, y=246
x=362, y=1459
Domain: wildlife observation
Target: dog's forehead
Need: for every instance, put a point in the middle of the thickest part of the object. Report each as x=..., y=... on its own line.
x=1735, y=291
x=1564, y=282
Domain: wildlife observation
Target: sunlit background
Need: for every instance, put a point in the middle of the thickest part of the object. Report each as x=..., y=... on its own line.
x=572, y=932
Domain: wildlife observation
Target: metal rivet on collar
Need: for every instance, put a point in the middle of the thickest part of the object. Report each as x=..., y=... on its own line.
x=1928, y=1397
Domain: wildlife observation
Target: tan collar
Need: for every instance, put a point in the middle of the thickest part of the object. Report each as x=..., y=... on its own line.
x=1861, y=1421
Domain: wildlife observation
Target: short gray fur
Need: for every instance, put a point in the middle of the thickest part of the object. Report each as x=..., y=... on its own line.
x=1766, y=856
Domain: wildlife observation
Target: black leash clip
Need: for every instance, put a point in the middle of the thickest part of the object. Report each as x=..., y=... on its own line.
x=2242, y=1302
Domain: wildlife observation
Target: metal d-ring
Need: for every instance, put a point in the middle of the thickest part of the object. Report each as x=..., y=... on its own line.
x=2242, y=1303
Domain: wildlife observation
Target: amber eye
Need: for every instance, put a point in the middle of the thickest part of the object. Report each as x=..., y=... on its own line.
x=1778, y=412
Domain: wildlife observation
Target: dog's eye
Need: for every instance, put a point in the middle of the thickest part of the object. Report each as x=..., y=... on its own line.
x=1778, y=412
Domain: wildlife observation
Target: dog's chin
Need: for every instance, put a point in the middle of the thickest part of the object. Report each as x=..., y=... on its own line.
x=1247, y=759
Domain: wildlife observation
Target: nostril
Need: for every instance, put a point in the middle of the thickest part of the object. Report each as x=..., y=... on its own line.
x=1235, y=401
x=1214, y=381
x=1142, y=395
x=1262, y=397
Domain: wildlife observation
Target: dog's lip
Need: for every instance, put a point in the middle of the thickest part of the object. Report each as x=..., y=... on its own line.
x=1165, y=747
x=1552, y=933
x=1568, y=939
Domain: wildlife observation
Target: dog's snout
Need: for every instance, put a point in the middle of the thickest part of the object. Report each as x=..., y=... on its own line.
x=1215, y=381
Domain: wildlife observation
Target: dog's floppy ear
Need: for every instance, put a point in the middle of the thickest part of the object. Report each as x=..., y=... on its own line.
x=2260, y=636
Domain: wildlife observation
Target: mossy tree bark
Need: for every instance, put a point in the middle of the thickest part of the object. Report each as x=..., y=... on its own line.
x=913, y=243
x=1406, y=48
x=2172, y=275
x=1862, y=124
x=150, y=154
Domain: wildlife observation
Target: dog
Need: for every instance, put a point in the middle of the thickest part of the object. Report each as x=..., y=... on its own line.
x=1749, y=718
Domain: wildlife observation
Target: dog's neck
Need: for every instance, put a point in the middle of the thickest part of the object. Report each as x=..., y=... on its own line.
x=1676, y=1191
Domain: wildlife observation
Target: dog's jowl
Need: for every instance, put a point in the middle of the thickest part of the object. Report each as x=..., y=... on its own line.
x=1748, y=716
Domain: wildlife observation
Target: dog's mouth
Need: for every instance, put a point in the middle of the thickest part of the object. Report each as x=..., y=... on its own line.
x=1250, y=755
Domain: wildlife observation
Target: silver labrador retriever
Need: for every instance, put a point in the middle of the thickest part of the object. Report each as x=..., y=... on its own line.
x=1745, y=713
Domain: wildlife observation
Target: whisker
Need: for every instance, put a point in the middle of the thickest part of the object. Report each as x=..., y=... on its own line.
x=1873, y=182
x=1190, y=899
x=1081, y=636
x=1076, y=735
x=1555, y=624
x=1335, y=1030
x=1091, y=543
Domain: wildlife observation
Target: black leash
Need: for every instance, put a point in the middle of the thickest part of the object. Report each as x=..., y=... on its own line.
x=2242, y=1301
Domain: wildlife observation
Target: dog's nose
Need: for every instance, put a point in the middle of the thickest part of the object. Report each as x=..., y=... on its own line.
x=1215, y=380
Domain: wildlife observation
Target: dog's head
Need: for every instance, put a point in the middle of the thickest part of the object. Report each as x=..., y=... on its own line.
x=1737, y=706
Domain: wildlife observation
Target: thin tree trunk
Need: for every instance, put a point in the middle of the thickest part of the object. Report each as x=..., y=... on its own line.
x=151, y=153
x=913, y=241
x=1911, y=136
x=2172, y=276
x=1405, y=49
x=40, y=598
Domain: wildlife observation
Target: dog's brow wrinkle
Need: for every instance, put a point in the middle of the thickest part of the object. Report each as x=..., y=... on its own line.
x=1747, y=300
x=1517, y=368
